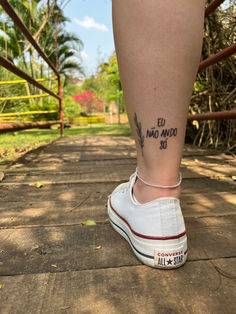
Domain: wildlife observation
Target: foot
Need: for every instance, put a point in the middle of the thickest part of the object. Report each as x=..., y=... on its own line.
x=155, y=230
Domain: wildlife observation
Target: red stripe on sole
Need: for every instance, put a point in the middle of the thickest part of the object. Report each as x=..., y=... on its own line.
x=146, y=236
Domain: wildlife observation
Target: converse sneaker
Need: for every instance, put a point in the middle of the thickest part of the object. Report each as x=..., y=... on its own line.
x=155, y=230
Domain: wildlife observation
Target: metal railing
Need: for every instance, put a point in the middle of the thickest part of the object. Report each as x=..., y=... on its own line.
x=7, y=64
x=210, y=61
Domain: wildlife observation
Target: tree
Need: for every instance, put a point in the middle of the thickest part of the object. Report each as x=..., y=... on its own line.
x=65, y=51
x=214, y=89
x=108, y=79
x=89, y=101
x=46, y=21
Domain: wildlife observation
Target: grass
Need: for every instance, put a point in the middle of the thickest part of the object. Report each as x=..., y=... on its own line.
x=12, y=145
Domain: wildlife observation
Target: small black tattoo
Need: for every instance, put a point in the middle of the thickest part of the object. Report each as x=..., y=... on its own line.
x=159, y=131
x=152, y=133
x=169, y=132
x=139, y=131
x=163, y=144
x=161, y=122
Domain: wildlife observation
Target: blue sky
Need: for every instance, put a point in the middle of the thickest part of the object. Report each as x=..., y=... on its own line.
x=91, y=20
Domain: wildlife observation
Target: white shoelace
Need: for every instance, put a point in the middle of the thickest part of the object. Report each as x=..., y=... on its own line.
x=160, y=186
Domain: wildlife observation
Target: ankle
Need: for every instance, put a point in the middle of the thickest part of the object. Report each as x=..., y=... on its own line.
x=169, y=177
x=144, y=193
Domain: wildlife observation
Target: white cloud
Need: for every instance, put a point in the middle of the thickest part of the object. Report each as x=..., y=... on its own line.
x=89, y=22
x=84, y=55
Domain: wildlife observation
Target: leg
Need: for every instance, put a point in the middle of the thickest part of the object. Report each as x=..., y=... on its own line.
x=158, y=45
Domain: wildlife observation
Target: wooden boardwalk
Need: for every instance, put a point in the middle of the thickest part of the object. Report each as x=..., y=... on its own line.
x=52, y=262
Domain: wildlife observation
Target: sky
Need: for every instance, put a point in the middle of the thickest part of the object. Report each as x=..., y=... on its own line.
x=91, y=20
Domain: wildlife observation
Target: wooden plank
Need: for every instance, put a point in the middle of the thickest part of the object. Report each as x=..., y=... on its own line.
x=208, y=204
x=64, y=155
x=35, y=168
x=34, y=250
x=205, y=161
x=210, y=161
x=97, y=167
x=213, y=160
x=195, y=288
x=108, y=173
x=72, y=191
x=104, y=140
x=89, y=175
x=198, y=185
x=73, y=148
x=72, y=209
x=111, y=146
x=60, y=160
x=86, y=141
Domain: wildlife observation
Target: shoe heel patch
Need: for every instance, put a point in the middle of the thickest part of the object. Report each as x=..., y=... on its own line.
x=170, y=258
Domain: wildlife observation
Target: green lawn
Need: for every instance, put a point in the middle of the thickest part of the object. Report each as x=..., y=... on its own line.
x=12, y=145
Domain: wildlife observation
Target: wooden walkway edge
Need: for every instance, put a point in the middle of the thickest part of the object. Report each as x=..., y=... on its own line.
x=52, y=262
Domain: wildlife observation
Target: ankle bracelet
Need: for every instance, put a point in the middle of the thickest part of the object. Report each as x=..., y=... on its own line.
x=160, y=186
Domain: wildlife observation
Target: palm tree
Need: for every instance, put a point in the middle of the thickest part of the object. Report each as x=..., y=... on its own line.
x=33, y=13
x=46, y=21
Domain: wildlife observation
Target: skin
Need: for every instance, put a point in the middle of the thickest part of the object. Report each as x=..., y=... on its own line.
x=158, y=45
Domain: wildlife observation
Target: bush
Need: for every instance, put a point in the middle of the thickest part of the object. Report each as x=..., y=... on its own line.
x=88, y=120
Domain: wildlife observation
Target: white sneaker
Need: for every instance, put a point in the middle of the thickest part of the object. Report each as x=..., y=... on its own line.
x=155, y=230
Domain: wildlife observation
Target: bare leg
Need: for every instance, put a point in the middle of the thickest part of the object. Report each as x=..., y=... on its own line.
x=158, y=45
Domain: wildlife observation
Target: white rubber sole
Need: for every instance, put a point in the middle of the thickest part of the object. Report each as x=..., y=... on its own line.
x=162, y=254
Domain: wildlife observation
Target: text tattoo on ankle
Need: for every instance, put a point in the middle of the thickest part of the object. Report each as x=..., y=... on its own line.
x=159, y=131
x=139, y=131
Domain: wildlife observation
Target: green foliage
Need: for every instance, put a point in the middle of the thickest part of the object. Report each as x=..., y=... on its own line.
x=70, y=107
x=46, y=22
x=106, y=84
x=108, y=79
x=88, y=120
x=214, y=89
x=91, y=84
x=199, y=86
